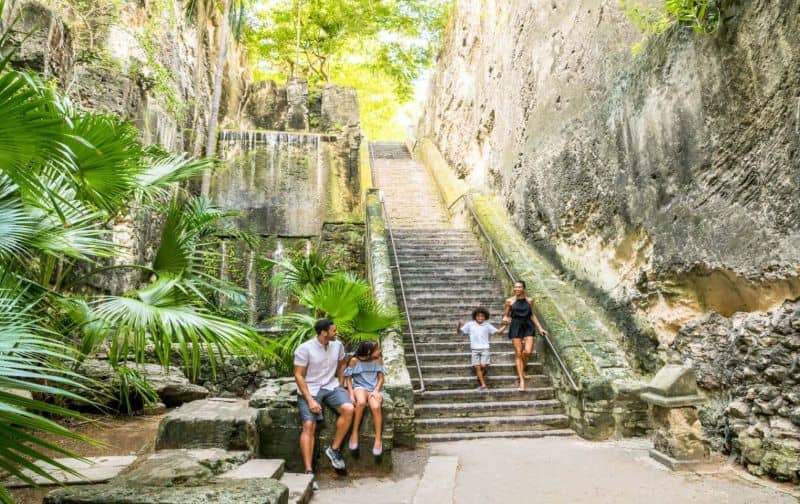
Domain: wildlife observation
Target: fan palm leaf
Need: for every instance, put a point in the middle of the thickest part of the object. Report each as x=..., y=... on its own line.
x=107, y=159
x=163, y=315
x=163, y=170
x=30, y=361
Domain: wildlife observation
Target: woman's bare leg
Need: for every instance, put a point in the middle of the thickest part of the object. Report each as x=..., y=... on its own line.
x=361, y=403
x=519, y=362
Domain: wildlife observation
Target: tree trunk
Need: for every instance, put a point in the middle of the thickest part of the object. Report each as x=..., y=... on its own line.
x=201, y=21
x=211, y=142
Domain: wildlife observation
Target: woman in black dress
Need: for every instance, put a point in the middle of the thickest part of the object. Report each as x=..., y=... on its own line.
x=523, y=325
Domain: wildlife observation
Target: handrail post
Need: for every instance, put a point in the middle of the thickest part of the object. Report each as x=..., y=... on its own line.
x=399, y=275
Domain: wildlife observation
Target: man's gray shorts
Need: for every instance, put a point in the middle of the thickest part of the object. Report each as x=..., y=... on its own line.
x=480, y=357
x=333, y=398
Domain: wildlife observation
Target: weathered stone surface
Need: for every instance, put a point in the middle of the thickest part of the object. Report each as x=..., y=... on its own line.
x=252, y=491
x=750, y=362
x=212, y=423
x=279, y=429
x=172, y=387
x=398, y=380
x=297, y=100
x=589, y=344
x=267, y=106
x=678, y=433
x=665, y=181
x=257, y=468
x=93, y=470
x=216, y=460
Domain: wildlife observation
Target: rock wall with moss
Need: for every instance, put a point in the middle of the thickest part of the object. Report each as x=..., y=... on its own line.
x=665, y=183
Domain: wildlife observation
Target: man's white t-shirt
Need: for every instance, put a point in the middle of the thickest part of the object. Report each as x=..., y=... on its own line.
x=320, y=363
x=478, y=334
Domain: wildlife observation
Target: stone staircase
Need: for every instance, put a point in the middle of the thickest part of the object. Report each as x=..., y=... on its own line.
x=445, y=275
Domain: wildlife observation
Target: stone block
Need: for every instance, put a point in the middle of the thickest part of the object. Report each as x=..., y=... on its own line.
x=257, y=468
x=673, y=386
x=212, y=423
x=93, y=470
x=279, y=430
x=228, y=491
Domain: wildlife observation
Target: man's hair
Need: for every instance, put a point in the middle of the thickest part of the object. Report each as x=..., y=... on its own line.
x=478, y=310
x=323, y=325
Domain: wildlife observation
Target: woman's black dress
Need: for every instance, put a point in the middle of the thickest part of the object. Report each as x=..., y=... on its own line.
x=521, y=323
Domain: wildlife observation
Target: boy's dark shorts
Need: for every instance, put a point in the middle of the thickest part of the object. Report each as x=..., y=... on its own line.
x=333, y=398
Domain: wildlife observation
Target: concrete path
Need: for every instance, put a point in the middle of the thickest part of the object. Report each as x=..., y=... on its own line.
x=557, y=470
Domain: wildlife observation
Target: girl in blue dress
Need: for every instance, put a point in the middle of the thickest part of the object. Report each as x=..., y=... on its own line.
x=364, y=380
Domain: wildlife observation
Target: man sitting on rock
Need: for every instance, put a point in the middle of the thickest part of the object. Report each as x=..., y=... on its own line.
x=318, y=370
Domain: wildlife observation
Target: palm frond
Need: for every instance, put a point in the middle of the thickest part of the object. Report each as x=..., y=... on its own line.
x=163, y=315
x=17, y=226
x=299, y=327
x=30, y=363
x=107, y=158
x=165, y=170
x=31, y=133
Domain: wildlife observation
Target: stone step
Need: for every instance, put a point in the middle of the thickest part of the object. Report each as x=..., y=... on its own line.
x=453, y=357
x=490, y=424
x=461, y=253
x=488, y=408
x=448, y=343
x=443, y=261
x=493, y=394
x=463, y=436
x=437, y=284
x=300, y=487
x=442, y=280
x=425, y=314
x=461, y=382
x=257, y=468
x=503, y=368
x=463, y=360
x=477, y=292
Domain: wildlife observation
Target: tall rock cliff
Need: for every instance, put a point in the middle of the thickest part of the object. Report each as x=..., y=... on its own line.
x=668, y=182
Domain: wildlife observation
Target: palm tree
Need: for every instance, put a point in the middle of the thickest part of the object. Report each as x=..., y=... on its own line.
x=342, y=297
x=65, y=174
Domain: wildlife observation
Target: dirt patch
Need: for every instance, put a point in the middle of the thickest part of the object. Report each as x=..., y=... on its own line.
x=118, y=435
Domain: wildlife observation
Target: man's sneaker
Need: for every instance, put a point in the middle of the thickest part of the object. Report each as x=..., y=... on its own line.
x=314, y=485
x=335, y=457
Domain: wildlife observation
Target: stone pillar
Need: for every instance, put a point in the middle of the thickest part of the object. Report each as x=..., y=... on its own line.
x=677, y=434
x=297, y=99
x=340, y=116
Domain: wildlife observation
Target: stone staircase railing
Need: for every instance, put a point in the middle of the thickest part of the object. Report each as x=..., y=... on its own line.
x=397, y=381
x=607, y=403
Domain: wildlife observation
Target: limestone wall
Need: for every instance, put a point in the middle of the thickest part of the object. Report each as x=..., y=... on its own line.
x=667, y=181
x=665, y=185
x=749, y=364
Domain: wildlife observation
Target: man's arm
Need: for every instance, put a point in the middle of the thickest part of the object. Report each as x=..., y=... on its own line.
x=302, y=386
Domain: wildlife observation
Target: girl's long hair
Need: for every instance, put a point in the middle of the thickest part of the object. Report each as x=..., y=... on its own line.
x=365, y=349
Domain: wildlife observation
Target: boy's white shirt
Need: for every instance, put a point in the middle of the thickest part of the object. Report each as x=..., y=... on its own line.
x=478, y=334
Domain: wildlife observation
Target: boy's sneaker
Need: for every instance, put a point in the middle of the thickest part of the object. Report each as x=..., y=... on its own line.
x=335, y=456
x=314, y=485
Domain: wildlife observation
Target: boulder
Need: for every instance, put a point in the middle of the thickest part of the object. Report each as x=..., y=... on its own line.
x=229, y=424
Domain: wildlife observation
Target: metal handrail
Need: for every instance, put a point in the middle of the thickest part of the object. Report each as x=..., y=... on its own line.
x=504, y=264
x=399, y=276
